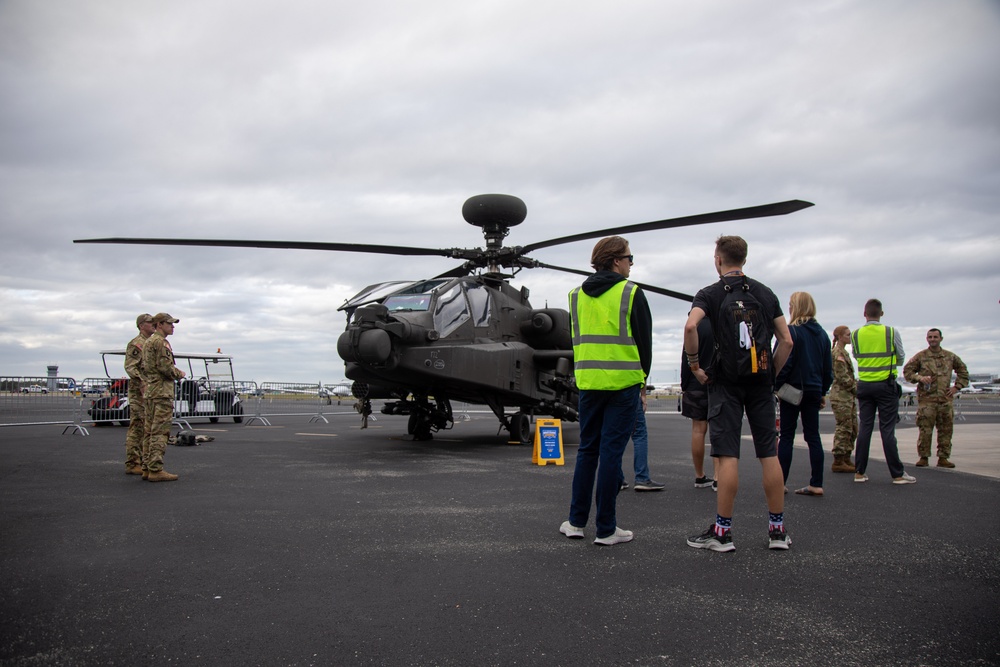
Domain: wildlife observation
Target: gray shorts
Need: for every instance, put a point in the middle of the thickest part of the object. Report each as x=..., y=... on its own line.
x=694, y=404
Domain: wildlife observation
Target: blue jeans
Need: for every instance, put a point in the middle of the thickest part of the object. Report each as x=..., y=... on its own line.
x=607, y=419
x=808, y=410
x=640, y=448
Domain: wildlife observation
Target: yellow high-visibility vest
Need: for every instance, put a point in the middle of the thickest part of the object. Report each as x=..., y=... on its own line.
x=605, y=355
x=875, y=351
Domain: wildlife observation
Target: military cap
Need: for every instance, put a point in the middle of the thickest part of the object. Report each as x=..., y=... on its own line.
x=145, y=317
x=164, y=317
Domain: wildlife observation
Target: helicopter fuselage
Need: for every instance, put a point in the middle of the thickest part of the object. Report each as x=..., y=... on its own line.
x=474, y=339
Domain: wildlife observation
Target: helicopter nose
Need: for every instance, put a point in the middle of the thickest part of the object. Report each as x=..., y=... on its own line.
x=374, y=346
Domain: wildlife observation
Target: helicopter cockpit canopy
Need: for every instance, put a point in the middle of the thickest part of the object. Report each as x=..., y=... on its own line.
x=414, y=297
x=376, y=293
x=452, y=302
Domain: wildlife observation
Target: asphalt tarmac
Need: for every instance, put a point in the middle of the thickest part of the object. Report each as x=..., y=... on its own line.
x=322, y=544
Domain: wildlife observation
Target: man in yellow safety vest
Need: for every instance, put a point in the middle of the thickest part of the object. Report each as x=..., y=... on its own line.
x=612, y=354
x=879, y=350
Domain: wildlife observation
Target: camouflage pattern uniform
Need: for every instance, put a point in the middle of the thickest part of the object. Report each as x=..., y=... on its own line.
x=134, y=441
x=843, y=395
x=934, y=406
x=159, y=372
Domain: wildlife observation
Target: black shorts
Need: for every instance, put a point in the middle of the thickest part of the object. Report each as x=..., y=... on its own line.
x=694, y=404
x=726, y=406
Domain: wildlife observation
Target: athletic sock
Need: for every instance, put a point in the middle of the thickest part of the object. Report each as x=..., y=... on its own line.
x=723, y=524
x=776, y=520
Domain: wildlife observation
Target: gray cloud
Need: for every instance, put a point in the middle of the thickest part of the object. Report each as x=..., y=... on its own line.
x=372, y=123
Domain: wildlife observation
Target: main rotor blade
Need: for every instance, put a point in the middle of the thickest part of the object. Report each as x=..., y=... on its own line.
x=779, y=208
x=649, y=288
x=294, y=245
x=458, y=272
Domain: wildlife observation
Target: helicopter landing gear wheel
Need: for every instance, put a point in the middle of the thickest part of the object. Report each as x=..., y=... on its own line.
x=520, y=428
x=419, y=427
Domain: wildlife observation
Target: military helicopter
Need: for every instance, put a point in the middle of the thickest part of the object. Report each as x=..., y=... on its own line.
x=467, y=334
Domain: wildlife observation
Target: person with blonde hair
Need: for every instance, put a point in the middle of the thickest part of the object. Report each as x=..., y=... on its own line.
x=809, y=369
x=843, y=400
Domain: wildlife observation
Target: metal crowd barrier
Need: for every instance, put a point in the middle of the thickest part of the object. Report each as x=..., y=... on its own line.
x=104, y=401
x=274, y=399
x=31, y=401
x=38, y=401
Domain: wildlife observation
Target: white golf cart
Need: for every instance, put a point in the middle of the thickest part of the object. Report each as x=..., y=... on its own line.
x=208, y=390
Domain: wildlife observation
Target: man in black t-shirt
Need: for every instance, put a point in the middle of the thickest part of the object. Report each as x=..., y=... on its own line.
x=729, y=398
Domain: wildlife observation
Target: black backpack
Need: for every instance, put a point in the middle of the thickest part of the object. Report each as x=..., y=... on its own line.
x=743, y=332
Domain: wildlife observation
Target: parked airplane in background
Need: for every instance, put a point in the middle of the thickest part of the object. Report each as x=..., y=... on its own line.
x=337, y=391
x=985, y=387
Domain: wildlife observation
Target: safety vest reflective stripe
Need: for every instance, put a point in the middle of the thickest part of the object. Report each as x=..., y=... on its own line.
x=622, y=337
x=878, y=365
x=605, y=357
x=612, y=365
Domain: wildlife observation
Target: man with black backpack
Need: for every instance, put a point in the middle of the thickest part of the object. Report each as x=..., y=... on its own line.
x=745, y=315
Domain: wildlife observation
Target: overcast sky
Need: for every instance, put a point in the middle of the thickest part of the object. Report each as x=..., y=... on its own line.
x=373, y=122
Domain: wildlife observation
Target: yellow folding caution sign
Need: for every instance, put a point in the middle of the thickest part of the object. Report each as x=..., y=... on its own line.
x=548, y=442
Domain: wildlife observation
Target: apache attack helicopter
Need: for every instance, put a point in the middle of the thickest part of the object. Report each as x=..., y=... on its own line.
x=467, y=334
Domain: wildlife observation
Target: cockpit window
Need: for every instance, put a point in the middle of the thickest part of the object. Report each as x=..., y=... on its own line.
x=450, y=310
x=416, y=297
x=408, y=303
x=479, y=299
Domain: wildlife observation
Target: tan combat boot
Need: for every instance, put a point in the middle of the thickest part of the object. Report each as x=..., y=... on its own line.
x=145, y=474
x=922, y=462
x=161, y=476
x=840, y=464
x=134, y=469
x=944, y=463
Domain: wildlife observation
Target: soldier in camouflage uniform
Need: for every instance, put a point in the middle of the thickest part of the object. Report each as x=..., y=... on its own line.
x=136, y=408
x=931, y=370
x=843, y=400
x=159, y=373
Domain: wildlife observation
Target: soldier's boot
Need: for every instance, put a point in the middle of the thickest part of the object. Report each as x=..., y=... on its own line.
x=944, y=463
x=133, y=469
x=145, y=474
x=840, y=464
x=161, y=476
x=922, y=462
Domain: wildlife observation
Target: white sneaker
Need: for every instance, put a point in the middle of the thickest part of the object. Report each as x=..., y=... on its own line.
x=620, y=535
x=905, y=479
x=860, y=477
x=571, y=531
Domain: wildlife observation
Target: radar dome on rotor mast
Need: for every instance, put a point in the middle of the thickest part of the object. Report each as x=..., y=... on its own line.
x=494, y=211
